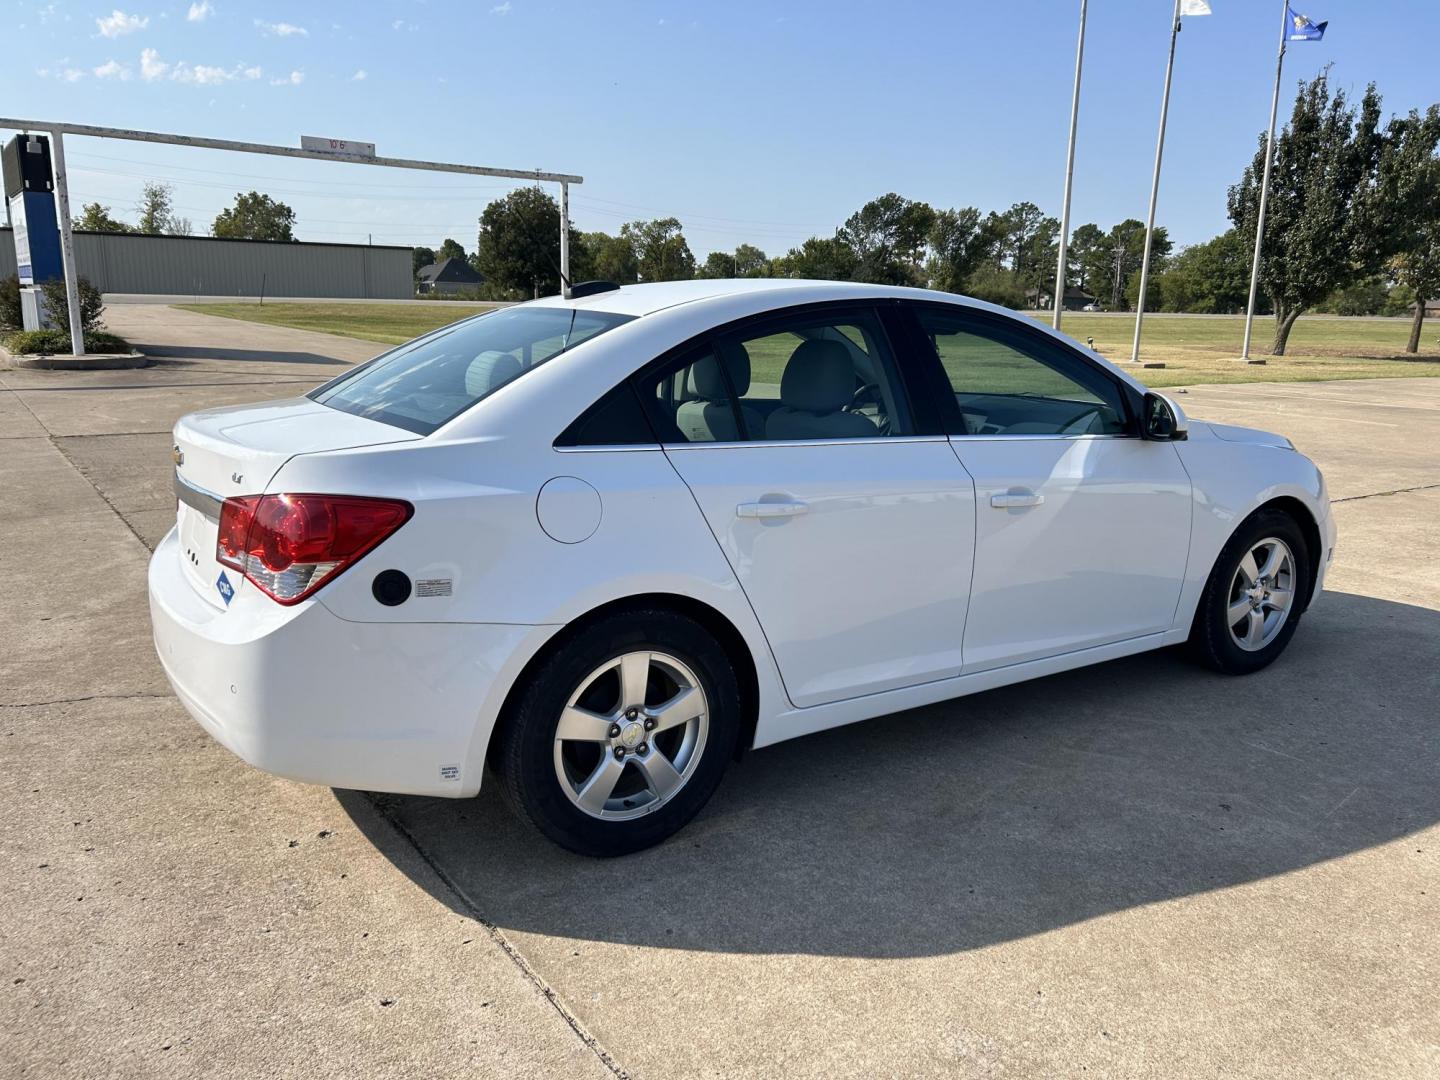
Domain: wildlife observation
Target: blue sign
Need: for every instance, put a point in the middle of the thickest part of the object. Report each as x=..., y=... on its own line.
x=37, y=237
x=224, y=588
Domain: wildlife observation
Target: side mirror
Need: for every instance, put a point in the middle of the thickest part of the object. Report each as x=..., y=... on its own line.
x=1164, y=420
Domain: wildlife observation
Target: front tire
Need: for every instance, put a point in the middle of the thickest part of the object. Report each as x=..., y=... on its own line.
x=1252, y=601
x=622, y=734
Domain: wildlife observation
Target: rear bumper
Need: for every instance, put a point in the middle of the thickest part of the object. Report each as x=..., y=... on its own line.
x=301, y=693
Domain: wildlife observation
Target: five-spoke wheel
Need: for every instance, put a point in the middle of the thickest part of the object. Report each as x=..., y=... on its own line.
x=621, y=733
x=631, y=735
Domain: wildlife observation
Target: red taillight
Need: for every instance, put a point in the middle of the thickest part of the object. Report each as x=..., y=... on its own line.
x=290, y=545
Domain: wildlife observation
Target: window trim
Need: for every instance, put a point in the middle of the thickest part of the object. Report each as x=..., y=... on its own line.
x=944, y=393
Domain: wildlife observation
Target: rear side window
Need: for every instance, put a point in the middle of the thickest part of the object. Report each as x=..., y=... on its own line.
x=800, y=377
x=427, y=384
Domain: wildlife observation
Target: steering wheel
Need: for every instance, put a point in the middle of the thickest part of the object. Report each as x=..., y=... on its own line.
x=869, y=394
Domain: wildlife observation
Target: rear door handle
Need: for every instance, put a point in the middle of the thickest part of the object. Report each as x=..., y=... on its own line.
x=1010, y=499
x=787, y=508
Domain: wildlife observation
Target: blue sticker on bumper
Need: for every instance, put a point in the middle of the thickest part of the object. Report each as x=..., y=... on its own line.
x=224, y=588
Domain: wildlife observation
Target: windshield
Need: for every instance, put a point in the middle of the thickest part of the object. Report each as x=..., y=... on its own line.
x=421, y=386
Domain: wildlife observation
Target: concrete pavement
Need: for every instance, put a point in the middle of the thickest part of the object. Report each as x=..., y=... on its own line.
x=1141, y=869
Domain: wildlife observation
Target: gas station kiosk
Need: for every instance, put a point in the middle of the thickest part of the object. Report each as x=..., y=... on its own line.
x=30, y=204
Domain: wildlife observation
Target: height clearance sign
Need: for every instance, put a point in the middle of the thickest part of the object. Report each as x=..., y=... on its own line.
x=337, y=147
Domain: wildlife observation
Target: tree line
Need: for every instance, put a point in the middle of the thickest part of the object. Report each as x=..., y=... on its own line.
x=1352, y=226
x=253, y=216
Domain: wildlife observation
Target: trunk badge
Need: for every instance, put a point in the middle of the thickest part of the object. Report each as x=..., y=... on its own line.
x=237, y=478
x=224, y=588
x=177, y=455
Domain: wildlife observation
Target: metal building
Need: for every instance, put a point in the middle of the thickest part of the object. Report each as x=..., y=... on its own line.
x=205, y=266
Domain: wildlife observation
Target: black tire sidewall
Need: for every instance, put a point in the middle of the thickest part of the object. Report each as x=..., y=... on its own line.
x=1210, y=636
x=527, y=737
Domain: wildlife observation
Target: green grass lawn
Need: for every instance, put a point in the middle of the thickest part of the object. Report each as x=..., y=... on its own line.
x=1202, y=349
x=390, y=323
x=1195, y=349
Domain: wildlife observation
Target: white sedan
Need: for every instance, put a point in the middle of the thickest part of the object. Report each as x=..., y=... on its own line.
x=602, y=545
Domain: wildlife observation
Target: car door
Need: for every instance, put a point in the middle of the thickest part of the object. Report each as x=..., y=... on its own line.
x=839, y=508
x=1082, y=528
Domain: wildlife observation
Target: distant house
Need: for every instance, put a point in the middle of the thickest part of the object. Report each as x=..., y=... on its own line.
x=1075, y=298
x=448, y=277
x=1432, y=308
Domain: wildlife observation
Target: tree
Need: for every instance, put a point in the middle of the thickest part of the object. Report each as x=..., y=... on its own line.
x=718, y=264
x=156, y=212
x=888, y=237
x=956, y=248
x=519, y=244
x=1409, y=187
x=451, y=249
x=661, y=252
x=420, y=258
x=1209, y=278
x=1322, y=221
x=820, y=259
x=997, y=285
x=1088, y=260
x=751, y=262
x=610, y=258
x=96, y=218
x=255, y=217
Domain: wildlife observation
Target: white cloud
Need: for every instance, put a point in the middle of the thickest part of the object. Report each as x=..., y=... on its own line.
x=360, y=76
x=113, y=69
x=281, y=29
x=151, y=66
x=117, y=24
x=202, y=74
x=501, y=9
x=199, y=12
x=295, y=78
x=253, y=72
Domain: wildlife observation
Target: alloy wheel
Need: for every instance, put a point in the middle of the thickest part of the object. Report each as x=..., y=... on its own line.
x=631, y=735
x=1261, y=595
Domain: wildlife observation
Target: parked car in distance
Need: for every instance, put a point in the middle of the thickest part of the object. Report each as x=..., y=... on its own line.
x=602, y=545
x=1092, y=307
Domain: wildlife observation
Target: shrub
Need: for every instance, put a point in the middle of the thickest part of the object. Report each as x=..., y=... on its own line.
x=10, y=303
x=53, y=342
x=57, y=306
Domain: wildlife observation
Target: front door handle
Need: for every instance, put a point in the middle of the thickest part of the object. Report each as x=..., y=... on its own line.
x=1009, y=500
x=778, y=509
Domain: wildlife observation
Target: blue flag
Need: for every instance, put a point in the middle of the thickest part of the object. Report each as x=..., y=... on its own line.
x=1302, y=29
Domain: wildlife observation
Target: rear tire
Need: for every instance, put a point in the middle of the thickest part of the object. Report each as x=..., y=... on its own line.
x=1252, y=602
x=622, y=734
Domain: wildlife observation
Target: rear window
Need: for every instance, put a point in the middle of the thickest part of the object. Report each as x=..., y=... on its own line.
x=421, y=386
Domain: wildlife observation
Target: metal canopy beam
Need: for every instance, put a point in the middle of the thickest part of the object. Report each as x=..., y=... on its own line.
x=58, y=130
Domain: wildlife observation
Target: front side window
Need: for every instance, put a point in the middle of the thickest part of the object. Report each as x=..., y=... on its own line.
x=808, y=377
x=1007, y=381
x=427, y=384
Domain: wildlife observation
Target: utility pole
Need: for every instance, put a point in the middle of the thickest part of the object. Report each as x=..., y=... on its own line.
x=1060, y=275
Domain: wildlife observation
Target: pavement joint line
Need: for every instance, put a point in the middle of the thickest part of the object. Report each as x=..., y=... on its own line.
x=1379, y=494
x=79, y=700
x=52, y=438
x=498, y=937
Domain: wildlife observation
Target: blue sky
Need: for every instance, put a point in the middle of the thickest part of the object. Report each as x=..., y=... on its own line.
x=752, y=122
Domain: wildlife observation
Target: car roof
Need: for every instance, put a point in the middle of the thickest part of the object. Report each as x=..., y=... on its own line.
x=656, y=296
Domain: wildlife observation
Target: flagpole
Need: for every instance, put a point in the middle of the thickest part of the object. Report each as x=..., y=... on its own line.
x=1265, y=183
x=1155, y=188
x=1060, y=275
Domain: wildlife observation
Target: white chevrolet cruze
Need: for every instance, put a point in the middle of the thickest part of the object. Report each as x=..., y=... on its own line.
x=604, y=544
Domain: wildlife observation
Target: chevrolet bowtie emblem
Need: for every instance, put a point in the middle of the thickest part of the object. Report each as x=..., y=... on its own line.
x=177, y=455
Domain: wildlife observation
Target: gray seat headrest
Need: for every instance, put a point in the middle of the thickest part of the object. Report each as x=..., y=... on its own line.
x=819, y=377
x=490, y=371
x=708, y=383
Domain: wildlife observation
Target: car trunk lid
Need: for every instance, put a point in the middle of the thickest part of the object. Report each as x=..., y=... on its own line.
x=219, y=453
